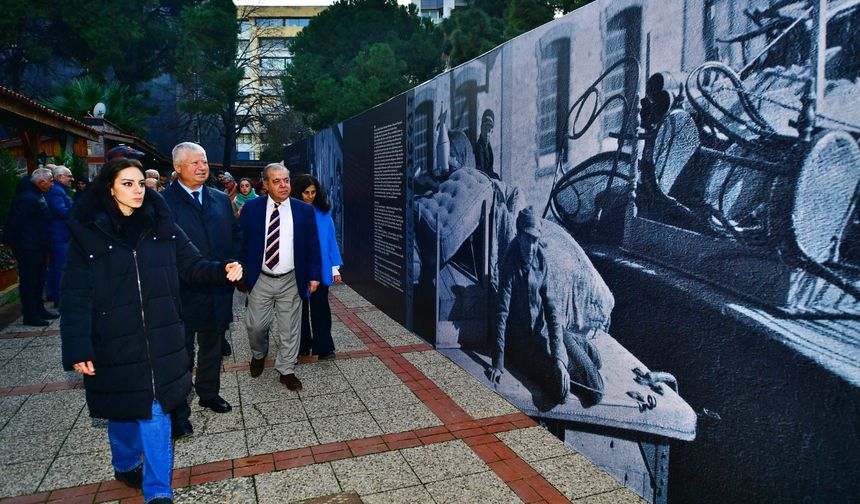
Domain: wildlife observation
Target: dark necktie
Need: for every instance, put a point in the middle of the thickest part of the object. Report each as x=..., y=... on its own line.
x=196, y=195
x=273, y=236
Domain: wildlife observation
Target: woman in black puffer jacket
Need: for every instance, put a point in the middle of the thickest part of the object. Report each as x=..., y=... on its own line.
x=121, y=327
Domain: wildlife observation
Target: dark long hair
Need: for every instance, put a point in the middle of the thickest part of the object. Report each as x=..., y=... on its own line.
x=302, y=182
x=99, y=190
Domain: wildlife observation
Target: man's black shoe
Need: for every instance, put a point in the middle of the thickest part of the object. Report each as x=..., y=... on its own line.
x=291, y=381
x=256, y=367
x=216, y=404
x=49, y=315
x=36, y=322
x=133, y=478
x=226, y=350
x=182, y=429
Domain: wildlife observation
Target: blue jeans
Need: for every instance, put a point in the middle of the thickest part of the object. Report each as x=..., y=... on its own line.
x=148, y=438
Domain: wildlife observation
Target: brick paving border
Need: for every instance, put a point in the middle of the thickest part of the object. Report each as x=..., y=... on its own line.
x=478, y=434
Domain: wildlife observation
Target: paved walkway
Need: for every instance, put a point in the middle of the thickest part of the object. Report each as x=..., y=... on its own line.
x=390, y=420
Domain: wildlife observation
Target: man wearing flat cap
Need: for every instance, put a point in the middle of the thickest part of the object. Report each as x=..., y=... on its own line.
x=530, y=334
x=483, y=149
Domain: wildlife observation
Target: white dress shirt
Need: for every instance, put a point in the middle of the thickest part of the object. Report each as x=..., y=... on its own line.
x=286, y=261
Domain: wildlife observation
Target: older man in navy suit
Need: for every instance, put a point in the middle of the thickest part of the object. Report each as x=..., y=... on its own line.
x=206, y=216
x=281, y=253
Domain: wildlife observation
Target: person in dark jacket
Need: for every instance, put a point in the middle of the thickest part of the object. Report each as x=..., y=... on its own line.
x=121, y=326
x=59, y=203
x=316, y=312
x=206, y=216
x=28, y=232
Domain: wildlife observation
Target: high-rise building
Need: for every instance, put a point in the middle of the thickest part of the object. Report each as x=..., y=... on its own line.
x=267, y=26
x=436, y=10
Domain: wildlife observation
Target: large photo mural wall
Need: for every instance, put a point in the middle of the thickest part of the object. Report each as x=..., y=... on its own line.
x=639, y=224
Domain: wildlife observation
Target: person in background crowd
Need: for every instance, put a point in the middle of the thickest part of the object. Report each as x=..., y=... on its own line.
x=59, y=203
x=316, y=328
x=231, y=189
x=281, y=250
x=28, y=232
x=153, y=174
x=80, y=186
x=152, y=183
x=207, y=218
x=246, y=192
x=121, y=327
x=262, y=192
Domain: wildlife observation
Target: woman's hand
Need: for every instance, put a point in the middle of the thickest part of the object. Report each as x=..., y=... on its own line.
x=85, y=367
x=234, y=271
x=337, y=279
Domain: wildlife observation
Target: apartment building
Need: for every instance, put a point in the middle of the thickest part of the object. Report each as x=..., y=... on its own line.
x=267, y=26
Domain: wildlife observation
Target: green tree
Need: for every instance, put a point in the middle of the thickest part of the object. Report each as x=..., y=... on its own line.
x=211, y=70
x=132, y=40
x=472, y=32
x=356, y=54
x=25, y=39
x=524, y=15
x=125, y=107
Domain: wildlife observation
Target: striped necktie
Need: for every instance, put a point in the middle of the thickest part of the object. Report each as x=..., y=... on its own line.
x=273, y=236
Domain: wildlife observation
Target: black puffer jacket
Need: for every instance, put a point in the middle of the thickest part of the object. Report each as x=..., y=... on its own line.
x=121, y=308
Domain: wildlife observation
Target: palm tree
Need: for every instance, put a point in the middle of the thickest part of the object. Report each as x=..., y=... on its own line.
x=125, y=107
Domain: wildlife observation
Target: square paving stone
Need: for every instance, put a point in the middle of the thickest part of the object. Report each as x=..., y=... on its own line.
x=374, y=473
x=48, y=412
x=272, y=413
x=322, y=385
x=345, y=427
x=9, y=405
x=479, y=401
x=405, y=418
x=333, y=404
x=388, y=329
x=534, y=443
x=198, y=449
x=481, y=487
x=442, y=461
x=17, y=448
x=22, y=478
x=206, y=421
x=296, y=484
x=575, y=476
x=349, y=297
x=279, y=437
x=312, y=370
x=412, y=495
x=232, y=491
x=387, y=397
x=76, y=470
x=264, y=388
x=86, y=440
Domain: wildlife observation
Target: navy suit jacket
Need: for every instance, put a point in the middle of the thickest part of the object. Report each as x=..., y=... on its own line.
x=214, y=231
x=306, y=244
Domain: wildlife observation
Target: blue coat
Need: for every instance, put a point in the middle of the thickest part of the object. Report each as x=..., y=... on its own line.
x=328, y=245
x=306, y=245
x=59, y=203
x=214, y=231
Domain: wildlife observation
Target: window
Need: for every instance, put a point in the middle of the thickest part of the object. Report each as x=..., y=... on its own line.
x=281, y=21
x=623, y=39
x=422, y=136
x=269, y=22
x=244, y=29
x=274, y=44
x=553, y=98
x=274, y=65
x=270, y=86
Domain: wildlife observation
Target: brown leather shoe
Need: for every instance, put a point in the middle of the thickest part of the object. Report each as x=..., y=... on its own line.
x=291, y=381
x=256, y=367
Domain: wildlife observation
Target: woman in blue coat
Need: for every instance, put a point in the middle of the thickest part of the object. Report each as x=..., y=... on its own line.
x=121, y=327
x=316, y=328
